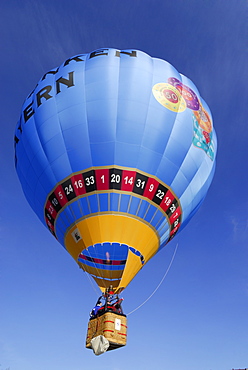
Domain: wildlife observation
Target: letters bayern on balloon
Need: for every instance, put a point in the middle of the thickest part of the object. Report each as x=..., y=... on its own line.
x=115, y=152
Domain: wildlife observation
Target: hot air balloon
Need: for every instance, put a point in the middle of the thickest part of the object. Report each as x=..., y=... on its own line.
x=115, y=152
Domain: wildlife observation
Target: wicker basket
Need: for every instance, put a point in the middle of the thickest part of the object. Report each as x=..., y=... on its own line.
x=112, y=326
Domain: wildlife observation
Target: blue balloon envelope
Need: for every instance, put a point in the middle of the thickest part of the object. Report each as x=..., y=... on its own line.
x=115, y=152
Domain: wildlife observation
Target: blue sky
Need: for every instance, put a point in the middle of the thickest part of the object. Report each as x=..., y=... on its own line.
x=197, y=320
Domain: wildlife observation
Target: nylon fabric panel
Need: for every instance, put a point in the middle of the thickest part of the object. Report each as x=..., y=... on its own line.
x=115, y=136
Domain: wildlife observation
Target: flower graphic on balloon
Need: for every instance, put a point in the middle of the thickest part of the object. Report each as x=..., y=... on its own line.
x=168, y=96
x=188, y=94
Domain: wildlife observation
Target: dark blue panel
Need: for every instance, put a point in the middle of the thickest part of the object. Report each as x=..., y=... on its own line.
x=102, y=255
x=94, y=203
x=143, y=208
x=164, y=228
x=76, y=210
x=125, y=200
x=114, y=202
x=150, y=213
x=85, y=206
x=103, y=198
x=133, y=209
x=157, y=219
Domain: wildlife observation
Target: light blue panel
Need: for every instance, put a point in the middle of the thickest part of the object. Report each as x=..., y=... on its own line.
x=182, y=129
x=189, y=167
x=134, y=86
x=101, y=130
x=40, y=162
x=99, y=110
x=166, y=171
x=175, y=152
x=101, y=60
x=74, y=115
x=61, y=166
x=148, y=160
x=154, y=140
x=48, y=129
x=55, y=147
x=46, y=111
x=199, y=187
x=160, y=118
x=72, y=96
x=136, y=70
x=47, y=178
x=78, y=148
x=44, y=106
x=162, y=70
x=101, y=80
x=130, y=131
x=126, y=154
x=135, y=82
x=103, y=154
x=179, y=184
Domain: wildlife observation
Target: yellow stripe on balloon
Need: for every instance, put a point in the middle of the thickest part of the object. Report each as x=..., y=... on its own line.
x=114, y=228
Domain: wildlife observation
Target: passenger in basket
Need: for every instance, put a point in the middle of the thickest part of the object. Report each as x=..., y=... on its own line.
x=117, y=305
x=96, y=308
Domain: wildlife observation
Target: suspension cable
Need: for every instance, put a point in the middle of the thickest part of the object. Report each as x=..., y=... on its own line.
x=91, y=282
x=165, y=274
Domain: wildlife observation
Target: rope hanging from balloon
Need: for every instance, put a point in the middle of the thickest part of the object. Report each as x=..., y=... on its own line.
x=165, y=274
x=91, y=283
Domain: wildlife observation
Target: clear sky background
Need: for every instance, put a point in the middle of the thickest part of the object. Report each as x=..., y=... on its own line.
x=198, y=318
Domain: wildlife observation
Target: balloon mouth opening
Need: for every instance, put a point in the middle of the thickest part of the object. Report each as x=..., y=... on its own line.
x=112, y=249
